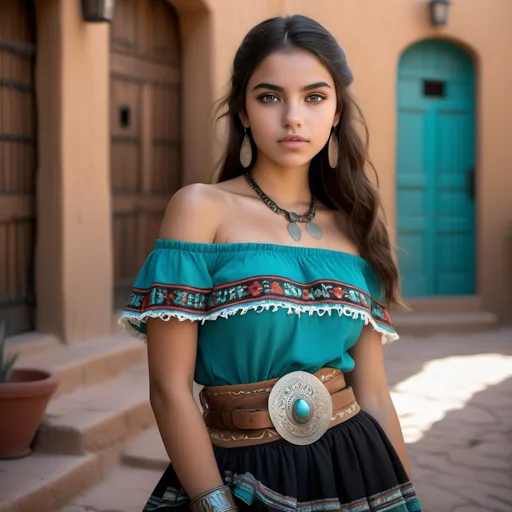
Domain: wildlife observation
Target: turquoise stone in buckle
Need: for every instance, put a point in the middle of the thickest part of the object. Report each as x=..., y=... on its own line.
x=300, y=408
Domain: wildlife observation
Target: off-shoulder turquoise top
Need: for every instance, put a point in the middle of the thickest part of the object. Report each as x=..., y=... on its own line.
x=264, y=310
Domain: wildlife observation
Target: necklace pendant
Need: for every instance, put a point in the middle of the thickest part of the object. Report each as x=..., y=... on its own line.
x=294, y=231
x=293, y=218
x=314, y=230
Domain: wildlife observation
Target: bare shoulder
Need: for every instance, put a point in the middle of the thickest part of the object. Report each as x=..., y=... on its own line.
x=193, y=214
x=342, y=221
x=234, y=187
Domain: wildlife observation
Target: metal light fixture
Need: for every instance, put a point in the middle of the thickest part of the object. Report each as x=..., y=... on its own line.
x=98, y=10
x=439, y=12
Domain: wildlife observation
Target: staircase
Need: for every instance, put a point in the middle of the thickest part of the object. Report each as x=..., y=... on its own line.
x=442, y=315
x=100, y=407
x=127, y=488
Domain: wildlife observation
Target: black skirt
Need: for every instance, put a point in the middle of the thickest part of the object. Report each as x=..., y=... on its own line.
x=352, y=468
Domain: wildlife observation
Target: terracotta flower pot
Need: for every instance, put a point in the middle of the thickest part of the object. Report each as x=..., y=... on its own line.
x=23, y=402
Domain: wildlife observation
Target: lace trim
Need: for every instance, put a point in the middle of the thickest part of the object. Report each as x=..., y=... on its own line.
x=134, y=320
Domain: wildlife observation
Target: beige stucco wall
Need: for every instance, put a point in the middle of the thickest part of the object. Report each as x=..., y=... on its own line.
x=74, y=241
x=74, y=250
x=374, y=34
x=198, y=92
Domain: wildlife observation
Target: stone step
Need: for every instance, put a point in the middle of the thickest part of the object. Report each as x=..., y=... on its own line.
x=87, y=363
x=146, y=451
x=126, y=489
x=424, y=324
x=45, y=482
x=452, y=304
x=99, y=418
x=29, y=343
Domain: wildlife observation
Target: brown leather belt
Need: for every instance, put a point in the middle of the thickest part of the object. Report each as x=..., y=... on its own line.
x=239, y=416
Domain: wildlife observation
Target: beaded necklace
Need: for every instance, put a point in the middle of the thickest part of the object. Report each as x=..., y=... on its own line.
x=312, y=228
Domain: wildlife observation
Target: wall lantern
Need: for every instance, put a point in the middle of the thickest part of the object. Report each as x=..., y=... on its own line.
x=439, y=12
x=98, y=10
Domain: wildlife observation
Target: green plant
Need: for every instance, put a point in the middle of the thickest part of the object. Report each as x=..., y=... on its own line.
x=6, y=364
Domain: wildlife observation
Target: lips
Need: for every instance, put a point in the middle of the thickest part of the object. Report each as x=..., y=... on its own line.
x=293, y=138
x=293, y=143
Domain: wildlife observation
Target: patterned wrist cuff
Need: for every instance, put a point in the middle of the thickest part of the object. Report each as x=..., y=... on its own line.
x=219, y=499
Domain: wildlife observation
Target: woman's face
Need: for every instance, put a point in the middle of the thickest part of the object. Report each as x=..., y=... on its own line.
x=291, y=107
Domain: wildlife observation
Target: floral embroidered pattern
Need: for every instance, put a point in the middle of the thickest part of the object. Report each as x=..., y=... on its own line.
x=162, y=296
x=265, y=289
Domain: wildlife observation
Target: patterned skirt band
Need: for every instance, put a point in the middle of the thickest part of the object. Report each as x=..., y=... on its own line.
x=299, y=407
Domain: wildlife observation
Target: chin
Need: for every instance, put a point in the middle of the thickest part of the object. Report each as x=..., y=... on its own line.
x=293, y=161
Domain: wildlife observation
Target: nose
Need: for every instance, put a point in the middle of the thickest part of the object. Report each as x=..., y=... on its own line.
x=292, y=116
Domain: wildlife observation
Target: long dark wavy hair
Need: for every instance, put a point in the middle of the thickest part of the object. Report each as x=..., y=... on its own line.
x=345, y=188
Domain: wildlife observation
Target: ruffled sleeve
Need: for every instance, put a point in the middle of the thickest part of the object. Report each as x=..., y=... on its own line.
x=173, y=282
x=379, y=313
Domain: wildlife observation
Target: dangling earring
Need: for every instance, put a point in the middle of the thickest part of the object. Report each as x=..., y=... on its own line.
x=246, y=151
x=333, y=149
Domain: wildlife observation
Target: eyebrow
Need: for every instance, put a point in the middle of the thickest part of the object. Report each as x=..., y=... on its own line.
x=277, y=88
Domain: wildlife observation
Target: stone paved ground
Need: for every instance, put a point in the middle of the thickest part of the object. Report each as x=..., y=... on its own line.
x=454, y=398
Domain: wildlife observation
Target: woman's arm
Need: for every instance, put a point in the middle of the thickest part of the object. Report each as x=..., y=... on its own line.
x=369, y=382
x=172, y=347
x=171, y=358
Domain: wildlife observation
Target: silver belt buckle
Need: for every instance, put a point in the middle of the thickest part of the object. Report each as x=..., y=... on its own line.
x=300, y=408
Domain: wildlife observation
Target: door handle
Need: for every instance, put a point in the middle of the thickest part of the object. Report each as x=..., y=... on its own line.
x=471, y=183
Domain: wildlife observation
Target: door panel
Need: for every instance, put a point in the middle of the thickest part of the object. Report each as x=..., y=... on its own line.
x=413, y=183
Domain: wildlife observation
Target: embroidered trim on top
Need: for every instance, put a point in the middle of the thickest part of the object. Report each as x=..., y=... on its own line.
x=257, y=294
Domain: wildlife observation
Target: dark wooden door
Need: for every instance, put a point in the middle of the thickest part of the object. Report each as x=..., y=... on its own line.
x=145, y=129
x=17, y=164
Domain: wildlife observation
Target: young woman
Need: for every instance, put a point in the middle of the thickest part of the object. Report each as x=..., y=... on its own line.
x=269, y=289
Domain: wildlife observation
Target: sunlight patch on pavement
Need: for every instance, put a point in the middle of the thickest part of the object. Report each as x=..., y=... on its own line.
x=445, y=385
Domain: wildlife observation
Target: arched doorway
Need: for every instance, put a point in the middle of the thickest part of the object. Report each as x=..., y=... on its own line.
x=145, y=129
x=436, y=170
x=17, y=164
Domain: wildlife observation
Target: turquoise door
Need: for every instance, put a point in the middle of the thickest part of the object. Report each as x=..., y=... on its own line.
x=436, y=170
